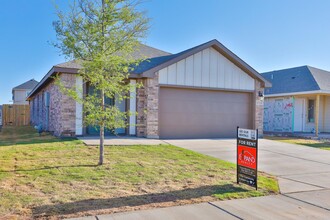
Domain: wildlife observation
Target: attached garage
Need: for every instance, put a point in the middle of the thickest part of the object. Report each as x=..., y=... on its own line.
x=202, y=113
x=203, y=92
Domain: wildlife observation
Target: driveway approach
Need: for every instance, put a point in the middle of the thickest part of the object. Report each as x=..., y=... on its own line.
x=303, y=172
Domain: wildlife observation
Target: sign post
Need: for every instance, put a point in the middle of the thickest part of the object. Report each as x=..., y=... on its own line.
x=247, y=157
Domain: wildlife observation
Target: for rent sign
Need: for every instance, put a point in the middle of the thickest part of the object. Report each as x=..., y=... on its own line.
x=247, y=156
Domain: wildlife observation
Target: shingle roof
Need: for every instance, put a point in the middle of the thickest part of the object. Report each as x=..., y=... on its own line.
x=29, y=85
x=156, y=61
x=322, y=77
x=142, y=52
x=297, y=79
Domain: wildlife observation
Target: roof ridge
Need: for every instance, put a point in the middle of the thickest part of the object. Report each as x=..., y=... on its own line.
x=156, y=49
x=25, y=84
x=280, y=70
x=311, y=73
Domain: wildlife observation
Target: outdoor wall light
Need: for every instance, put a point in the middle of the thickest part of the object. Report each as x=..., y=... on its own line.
x=260, y=94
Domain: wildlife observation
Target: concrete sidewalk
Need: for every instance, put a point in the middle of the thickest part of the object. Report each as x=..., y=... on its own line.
x=268, y=207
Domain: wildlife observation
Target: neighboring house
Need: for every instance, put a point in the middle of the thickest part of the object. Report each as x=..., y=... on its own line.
x=21, y=92
x=203, y=92
x=298, y=101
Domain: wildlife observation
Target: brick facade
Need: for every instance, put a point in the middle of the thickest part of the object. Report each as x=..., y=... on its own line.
x=259, y=108
x=147, y=108
x=62, y=109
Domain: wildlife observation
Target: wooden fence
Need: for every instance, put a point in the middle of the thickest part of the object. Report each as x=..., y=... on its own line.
x=16, y=115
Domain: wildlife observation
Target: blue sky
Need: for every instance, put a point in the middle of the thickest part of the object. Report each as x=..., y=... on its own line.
x=268, y=35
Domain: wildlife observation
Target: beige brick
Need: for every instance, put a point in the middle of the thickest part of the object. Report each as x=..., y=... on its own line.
x=61, y=110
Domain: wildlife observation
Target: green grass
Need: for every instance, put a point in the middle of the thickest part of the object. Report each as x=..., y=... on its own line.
x=45, y=177
x=321, y=144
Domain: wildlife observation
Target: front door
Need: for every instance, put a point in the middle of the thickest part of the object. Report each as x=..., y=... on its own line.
x=92, y=130
x=299, y=112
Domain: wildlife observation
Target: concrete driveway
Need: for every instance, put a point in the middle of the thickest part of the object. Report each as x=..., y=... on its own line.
x=303, y=172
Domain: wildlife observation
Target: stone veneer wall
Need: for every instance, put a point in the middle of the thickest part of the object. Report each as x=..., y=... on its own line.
x=259, y=109
x=62, y=109
x=147, y=108
x=141, y=108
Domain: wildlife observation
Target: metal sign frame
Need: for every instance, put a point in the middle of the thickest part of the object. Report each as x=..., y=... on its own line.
x=247, y=167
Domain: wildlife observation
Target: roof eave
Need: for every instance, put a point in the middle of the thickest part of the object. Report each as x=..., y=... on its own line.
x=56, y=69
x=53, y=70
x=313, y=92
x=65, y=70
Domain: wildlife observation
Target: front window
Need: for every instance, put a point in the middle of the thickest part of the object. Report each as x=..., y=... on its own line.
x=311, y=107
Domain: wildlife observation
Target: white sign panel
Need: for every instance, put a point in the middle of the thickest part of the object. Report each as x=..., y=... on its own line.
x=247, y=134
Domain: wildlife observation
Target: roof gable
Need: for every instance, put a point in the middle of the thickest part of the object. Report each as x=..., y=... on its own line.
x=206, y=69
x=156, y=65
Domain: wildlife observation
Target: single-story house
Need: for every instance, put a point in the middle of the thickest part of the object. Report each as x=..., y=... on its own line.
x=21, y=92
x=298, y=101
x=203, y=92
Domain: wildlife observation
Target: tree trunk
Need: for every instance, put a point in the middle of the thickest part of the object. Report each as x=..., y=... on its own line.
x=103, y=105
x=101, y=145
x=102, y=130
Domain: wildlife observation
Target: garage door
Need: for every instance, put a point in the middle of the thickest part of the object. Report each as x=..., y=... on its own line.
x=193, y=113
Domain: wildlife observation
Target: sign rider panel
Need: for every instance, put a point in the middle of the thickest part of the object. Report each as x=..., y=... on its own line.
x=247, y=156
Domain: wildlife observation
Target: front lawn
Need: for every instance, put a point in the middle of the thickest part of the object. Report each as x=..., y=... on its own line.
x=321, y=144
x=44, y=177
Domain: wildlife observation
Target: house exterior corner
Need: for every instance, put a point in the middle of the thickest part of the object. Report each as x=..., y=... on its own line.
x=52, y=109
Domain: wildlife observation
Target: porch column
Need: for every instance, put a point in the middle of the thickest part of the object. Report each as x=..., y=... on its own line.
x=324, y=101
x=317, y=112
x=79, y=106
x=132, y=109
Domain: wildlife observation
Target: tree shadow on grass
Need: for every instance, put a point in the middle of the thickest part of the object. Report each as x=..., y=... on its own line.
x=93, y=205
x=47, y=168
x=35, y=140
x=24, y=135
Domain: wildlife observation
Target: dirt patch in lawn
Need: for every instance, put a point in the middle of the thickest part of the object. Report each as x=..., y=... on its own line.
x=53, y=179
